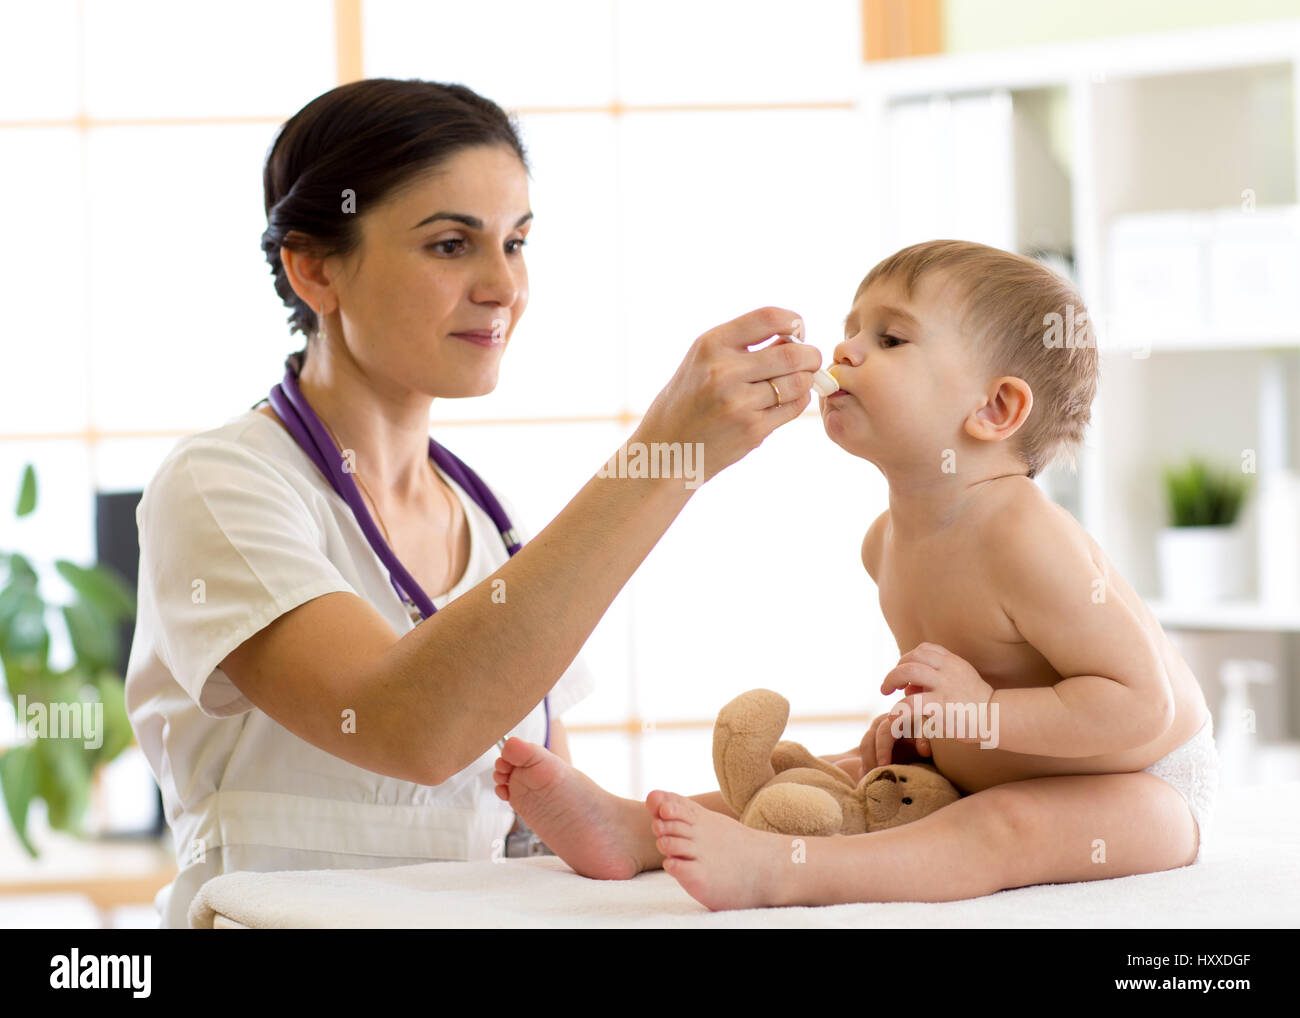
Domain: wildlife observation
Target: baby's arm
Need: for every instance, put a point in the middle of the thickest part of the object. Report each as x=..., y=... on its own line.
x=1114, y=693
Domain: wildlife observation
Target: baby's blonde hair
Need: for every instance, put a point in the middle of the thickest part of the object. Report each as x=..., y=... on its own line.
x=1007, y=314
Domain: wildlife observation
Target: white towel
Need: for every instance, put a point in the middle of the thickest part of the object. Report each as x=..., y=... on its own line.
x=1249, y=876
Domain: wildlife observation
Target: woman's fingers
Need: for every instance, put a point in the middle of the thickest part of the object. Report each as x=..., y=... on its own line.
x=721, y=400
x=784, y=358
x=755, y=327
x=784, y=389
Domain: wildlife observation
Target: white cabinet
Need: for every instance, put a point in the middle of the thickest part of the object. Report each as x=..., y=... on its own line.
x=1161, y=171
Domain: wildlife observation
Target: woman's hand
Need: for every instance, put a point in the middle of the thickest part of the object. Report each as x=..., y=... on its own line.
x=721, y=397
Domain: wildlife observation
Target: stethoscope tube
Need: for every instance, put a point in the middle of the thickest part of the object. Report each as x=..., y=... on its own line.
x=307, y=430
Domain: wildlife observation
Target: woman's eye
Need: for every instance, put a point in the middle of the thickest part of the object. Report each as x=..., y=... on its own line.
x=441, y=245
x=891, y=341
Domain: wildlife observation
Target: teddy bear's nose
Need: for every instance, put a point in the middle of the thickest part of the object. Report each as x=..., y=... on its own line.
x=886, y=776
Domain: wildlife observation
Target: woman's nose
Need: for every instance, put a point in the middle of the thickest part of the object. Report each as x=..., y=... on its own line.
x=497, y=282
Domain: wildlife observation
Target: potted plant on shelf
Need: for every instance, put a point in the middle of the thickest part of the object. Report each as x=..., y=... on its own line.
x=73, y=720
x=1202, y=553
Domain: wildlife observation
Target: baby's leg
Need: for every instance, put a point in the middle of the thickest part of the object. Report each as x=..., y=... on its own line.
x=1037, y=831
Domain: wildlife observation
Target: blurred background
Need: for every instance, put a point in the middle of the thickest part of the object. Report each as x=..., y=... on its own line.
x=691, y=161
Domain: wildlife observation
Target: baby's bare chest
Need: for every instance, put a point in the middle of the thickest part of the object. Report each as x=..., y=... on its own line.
x=947, y=597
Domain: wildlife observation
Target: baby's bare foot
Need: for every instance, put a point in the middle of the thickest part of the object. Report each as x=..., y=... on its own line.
x=718, y=861
x=597, y=833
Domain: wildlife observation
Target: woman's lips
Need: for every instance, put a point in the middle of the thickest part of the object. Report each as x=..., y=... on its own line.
x=481, y=338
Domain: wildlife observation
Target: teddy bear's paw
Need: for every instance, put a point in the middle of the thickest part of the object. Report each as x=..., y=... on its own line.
x=786, y=755
x=794, y=809
x=789, y=755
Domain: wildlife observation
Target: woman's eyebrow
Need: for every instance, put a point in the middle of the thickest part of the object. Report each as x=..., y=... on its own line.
x=473, y=222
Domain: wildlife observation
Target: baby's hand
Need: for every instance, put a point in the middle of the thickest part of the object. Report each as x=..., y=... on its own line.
x=934, y=675
x=879, y=747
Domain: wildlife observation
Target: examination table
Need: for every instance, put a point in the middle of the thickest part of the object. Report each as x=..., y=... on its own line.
x=1249, y=876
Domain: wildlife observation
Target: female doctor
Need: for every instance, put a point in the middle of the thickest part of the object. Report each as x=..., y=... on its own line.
x=339, y=622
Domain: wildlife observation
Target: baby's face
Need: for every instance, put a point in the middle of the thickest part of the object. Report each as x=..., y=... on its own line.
x=907, y=376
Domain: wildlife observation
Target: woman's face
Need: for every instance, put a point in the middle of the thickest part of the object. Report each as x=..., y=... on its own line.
x=441, y=258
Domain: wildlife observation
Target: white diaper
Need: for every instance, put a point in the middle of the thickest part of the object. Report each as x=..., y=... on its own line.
x=1193, y=769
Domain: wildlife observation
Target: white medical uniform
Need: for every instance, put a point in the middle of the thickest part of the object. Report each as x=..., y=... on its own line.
x=238, y=527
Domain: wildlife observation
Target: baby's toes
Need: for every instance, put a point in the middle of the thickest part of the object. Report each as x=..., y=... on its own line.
x=677, y=848
x=676, y=807
x=654, y=800
x=672, y=828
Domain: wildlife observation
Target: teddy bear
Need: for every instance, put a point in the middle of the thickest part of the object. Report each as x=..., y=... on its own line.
x=781, y=787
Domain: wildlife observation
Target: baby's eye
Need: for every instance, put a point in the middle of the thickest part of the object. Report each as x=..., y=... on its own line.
x=891, y=341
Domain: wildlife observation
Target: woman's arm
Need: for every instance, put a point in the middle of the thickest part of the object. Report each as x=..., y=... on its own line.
x=426, y=705
x=560, y=741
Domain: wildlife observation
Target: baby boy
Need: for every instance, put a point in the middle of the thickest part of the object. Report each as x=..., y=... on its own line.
x=964, y=372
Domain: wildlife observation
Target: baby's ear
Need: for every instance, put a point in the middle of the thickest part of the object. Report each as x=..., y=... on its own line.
x=1009, y=401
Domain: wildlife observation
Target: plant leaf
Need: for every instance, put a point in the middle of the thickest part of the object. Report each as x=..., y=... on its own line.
x=1198, y=495
x=93, y=634
x=117, y=732
x=100, y=586
x=24, y=637
x=64, y=782
x=18, y=779
x=27, y=492
x=21, y=572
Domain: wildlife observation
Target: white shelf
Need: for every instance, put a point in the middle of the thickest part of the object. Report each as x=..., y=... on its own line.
x=1191, y=51
x=1197, y=342
x=1108, y=129
x=1228, y=616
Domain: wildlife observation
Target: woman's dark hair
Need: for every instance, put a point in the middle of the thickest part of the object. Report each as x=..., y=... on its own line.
x=370, y=137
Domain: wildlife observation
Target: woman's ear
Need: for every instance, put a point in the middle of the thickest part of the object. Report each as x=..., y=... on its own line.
x=308, y=275
x=1006, y=408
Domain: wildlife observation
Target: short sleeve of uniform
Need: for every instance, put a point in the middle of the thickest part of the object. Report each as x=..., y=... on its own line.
x=227, y=545
x=577, y=682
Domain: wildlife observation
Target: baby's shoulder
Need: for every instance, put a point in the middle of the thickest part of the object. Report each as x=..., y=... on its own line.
x=1020, y=525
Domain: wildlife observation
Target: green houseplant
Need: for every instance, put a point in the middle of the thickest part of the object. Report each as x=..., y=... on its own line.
x=48, y=764
x=1201, y=551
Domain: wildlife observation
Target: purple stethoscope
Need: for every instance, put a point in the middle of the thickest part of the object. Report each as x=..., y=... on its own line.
x=289, y=403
